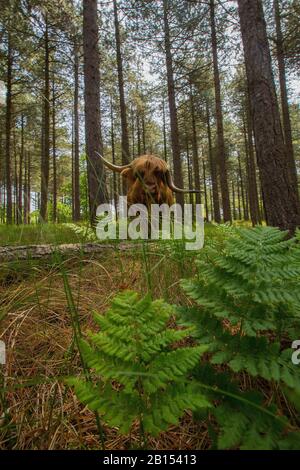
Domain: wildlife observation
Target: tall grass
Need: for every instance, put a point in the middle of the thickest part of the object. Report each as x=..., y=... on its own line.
x=40, y=234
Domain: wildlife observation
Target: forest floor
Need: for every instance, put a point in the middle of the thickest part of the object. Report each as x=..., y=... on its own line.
x=35, y=323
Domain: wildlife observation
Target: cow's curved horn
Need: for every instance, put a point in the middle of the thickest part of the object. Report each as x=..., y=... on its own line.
x=112, y=166
x=174, y=188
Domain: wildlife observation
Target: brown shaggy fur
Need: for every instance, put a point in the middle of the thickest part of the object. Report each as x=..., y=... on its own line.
x=146, y=181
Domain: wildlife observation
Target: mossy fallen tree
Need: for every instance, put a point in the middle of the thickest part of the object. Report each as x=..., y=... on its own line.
x=23, y=252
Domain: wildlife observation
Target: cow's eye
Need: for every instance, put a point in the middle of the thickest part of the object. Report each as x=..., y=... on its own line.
x=159, y=174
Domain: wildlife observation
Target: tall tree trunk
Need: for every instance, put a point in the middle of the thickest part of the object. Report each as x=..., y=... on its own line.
x=95, y=170
x=164, y=131
x=54, y=197
x=233, y=200
x=195, y=149
x=144, y=133
x=219, y=117
x=284, y=95
x=132, y=113
x=113, y=152
x=16, y=185
x=239, y=198
x=76, y=183
x=139, y=146
x=190, y=172
x=205, y=189
x=25, y=189
x=178, y=178
x=213, y=170
x=28, y=186
x=251, y=169
x=124, y=127
x=8, y=120
x=242, y=187
x=19, y=214
x=46, y=131
x=280, y=195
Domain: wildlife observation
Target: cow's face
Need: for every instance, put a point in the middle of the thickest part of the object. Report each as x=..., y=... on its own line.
x=147, y=181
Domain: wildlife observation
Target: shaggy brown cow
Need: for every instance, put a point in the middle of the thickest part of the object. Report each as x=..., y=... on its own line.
x=148, y=180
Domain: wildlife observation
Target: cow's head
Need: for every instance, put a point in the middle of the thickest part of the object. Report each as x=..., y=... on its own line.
x=148, y=180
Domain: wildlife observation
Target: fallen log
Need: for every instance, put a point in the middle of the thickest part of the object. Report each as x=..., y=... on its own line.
x=25, y=252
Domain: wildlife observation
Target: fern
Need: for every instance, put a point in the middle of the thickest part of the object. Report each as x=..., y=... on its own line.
x=248, y=309
x=139, y=374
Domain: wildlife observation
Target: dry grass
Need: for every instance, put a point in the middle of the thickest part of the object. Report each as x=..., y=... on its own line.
x=37, y=411
x=37, y=330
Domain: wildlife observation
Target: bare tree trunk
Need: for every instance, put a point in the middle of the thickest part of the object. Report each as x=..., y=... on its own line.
x=25, y=189
x=76, y=189
x=46, y=134
x=8, y=132
x=138, y=135
x=251, y=170
x=195, y=150
x=284, y=95
x=219, y=117
x=144, y=133
x=45, y=162
x=16, y=185
x=54, y=197
x=213, y=171
x=190, y=172
x=280, y=195
x=20, y=195
x=233, y=200
x=132, y=113
x=95, y=170
x=242, y=187
x=164, y=131
x=205, y=190
x=239, y=198
x=124, y=127
x=178, y=178
x=28, y=186
x=112, y=132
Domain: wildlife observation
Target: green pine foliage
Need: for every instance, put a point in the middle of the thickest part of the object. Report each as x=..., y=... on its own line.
x=248, y=313
x=139, y=375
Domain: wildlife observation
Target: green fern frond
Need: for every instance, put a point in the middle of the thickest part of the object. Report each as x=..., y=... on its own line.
x=139, y=374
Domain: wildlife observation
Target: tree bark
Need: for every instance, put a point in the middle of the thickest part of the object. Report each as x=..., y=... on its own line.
x=46, y=131
x=123, y=111
x=251, y=169
x=213, y=171
x=76, y=189
x=284, y=94
x=195, y=149
x=281, y=200
x=205, y=190
x=19, y=213
x=178, y=178
x=25, y=189
x=54, y=196
x=95, y=170
x=8, y=120
x=219, y=117
x=113, y=154
x=164, y=131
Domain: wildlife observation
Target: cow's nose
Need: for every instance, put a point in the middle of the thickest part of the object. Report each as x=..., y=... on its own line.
x=151, y=188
